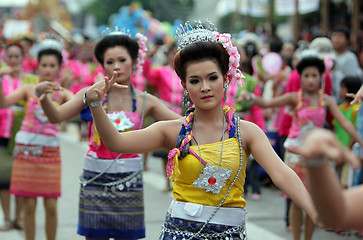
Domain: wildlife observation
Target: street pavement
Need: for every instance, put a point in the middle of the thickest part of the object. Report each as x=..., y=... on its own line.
x=265, y=218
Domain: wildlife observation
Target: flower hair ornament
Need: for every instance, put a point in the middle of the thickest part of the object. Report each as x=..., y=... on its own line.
x=187, y=34
x=11, y=42
x=141, y=41
x=50, y=41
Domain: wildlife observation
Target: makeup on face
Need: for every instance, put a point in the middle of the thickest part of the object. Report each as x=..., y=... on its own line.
x=118, y=59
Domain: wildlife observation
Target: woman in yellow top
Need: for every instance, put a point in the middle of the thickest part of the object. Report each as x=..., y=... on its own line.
x=208, y=148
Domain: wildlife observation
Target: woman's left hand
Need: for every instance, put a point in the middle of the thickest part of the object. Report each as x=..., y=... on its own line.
x=43, y=88
x=244, y=95
x=99, y=89
x=321, y=143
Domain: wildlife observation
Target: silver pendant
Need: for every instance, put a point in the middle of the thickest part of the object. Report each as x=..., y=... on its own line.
x=212, y=179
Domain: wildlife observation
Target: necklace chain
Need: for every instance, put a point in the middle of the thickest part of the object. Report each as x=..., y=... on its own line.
x=196, y=135
x=230, y=186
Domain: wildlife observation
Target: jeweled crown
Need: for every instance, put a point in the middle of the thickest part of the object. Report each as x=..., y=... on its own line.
x=116, y=31
x=50, y=41
x=187, y=34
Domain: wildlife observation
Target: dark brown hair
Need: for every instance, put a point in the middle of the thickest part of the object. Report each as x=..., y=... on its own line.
x=114, y=40
x=199, y=51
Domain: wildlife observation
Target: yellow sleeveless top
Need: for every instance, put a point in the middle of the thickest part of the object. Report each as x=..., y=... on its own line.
x=190, y=168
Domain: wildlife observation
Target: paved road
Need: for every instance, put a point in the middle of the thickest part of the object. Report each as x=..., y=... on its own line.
x=264, y=218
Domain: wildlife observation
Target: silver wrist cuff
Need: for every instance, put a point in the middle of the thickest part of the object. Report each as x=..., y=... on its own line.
x=95, y=104
x=36, y=93
x=253, y=97
x=317, y=162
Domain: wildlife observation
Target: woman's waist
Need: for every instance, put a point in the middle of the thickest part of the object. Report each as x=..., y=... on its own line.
x=230, y=216
x=190, y=193
x=102, y=152
x=36, y=126
x=120, y=165
x=30, y=138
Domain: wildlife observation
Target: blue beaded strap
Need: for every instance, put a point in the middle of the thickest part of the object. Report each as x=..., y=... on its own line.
x=185, y=130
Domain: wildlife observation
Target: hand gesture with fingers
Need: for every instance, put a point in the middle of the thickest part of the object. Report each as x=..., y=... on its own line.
x=6, y=70
x=43, y=88
x=322, y=144
x=358, y=98
x=96, y=92
x=245, y=95
x=67, y=77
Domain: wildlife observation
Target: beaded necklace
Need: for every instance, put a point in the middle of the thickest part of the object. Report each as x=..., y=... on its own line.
x=230, y=187
x=129, y=180
x=212, y=179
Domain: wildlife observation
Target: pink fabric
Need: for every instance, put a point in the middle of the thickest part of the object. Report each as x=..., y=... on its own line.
x=65, y=58
x=293, y=85
x=30, y=65
x=304, y=116
x=7, y=114
x=99, y=69
x=82, y=75
x=99, y=147
x=139, y=82
x=31, y=122
x=255, y=113
x=231, y=93
x=167, y=82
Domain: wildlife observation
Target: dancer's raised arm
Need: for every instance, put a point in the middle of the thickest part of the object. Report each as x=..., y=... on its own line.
x=337, y=207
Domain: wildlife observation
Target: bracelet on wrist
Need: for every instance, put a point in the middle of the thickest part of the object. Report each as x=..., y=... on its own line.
x=316, y=162
x=93, y=104
x=84, y=99
x=253, y=97
x=36, y=93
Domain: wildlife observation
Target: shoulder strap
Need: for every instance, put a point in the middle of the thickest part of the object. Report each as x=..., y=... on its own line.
x=143, y=111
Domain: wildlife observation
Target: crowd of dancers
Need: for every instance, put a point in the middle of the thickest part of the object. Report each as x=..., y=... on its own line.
x=219, y=111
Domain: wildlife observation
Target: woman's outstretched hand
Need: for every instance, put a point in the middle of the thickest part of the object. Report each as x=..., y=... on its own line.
x=244, y=95
x=357, y=98
x=100, y=88
x=43, y=88
x=321, y=143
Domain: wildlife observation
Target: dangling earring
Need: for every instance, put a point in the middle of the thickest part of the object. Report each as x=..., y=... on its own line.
x=186, y=99
x=225, y=86
x=133, y=74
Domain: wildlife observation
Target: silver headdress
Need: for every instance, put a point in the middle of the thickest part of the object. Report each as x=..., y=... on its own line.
x=141, y=41
x=116, y=31
x=51, y=41
x=188, y=34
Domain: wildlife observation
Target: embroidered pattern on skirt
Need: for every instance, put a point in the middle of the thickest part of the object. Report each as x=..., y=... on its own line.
x=180, y=229
x=106, y=212
x=37, y=176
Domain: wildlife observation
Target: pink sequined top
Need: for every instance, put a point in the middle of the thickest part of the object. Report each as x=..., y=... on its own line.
x=255, y=114
x=167, y=82
x=7, y=114
x=305, y=114
x=123, y=121
x=35, y=120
